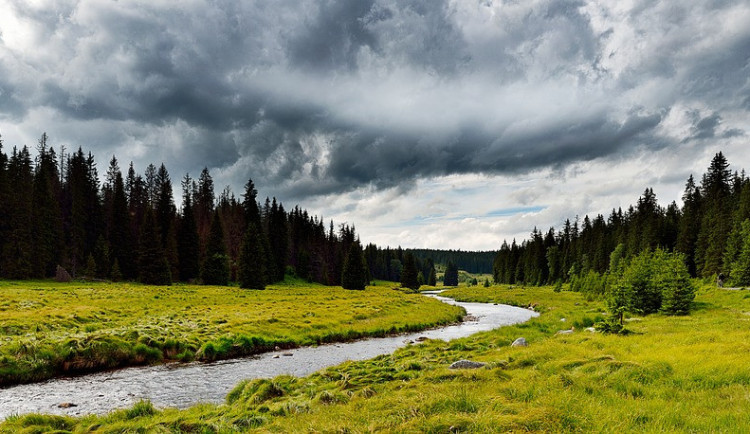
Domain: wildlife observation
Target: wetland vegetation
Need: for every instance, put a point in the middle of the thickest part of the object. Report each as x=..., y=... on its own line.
x=49, y=328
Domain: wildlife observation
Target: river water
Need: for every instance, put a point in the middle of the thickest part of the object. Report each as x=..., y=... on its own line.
x=184, y=384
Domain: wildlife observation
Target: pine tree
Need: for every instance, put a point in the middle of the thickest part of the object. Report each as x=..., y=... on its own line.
x=4, y=203
x=121, y=246
x=251, y=272
x=216, y=265
x=432, y=278
x=354, y=274
x=17, y=247
x=46, y=224
x=153, y=265
x=253, y=216
x=409, y=273
x=451, y=275
x=188, y=242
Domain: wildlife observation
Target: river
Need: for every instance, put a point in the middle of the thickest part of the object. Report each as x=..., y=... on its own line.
x=184, y=384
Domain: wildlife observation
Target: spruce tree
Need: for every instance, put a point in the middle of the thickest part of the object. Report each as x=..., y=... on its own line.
x=354, y=274
x=47, y=230
x=153, y=265
x=121, y=246
x=17, y=248
x=216, y=265
x=251, y=272
x=4, y=203
x=451, y=275
x=188, y=243
x=409, y=275
x=432, y=278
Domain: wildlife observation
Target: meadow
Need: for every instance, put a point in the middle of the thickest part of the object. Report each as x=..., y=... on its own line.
x=674, y=374
x=49, y=328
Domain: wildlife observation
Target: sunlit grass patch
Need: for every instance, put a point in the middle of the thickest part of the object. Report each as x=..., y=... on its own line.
x=49, y=328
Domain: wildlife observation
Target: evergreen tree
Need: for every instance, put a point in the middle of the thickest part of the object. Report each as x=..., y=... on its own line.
x=253, y=216
x=121, y=246
x=46, y=223
x=17, y=247
x=409, y=274
x=4, y=204
x=740, y=265
x=153, y=266
x=451, y=275
x=432, y=278
x=188, y=243
x=251, y=272
x=354, y=274
x=216, y=265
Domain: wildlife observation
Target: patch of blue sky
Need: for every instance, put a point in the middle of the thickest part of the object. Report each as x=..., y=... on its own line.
x=503, y=212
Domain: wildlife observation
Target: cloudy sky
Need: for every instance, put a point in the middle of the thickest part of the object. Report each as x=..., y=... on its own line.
x=426, y=123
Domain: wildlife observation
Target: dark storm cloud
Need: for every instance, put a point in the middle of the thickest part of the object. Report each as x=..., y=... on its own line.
x=320, y=97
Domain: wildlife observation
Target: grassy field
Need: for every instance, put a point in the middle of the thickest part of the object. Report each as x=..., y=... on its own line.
x=671, y=374
x=49, y=328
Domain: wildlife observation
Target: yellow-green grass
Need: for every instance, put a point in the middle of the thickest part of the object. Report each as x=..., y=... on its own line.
x=671, y=374
x=49, y=328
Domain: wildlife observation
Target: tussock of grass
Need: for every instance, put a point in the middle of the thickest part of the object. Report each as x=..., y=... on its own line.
x=50, y=328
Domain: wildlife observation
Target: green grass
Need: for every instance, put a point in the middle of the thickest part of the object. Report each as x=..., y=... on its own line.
x=49, y=328
x=671, y=374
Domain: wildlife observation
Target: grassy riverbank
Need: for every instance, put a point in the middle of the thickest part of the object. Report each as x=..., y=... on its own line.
x=49, y=328
x=671, y=374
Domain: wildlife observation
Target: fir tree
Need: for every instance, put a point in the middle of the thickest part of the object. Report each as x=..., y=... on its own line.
x=121, y=246
x=17, y=247
x=216, y=265
x=354, y=273
x=188, y=243
x=451, y=275
x=251, y=272
x=409, y=275
x=153, y=265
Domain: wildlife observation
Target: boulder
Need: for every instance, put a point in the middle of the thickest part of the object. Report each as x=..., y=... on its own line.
x=565, y=332
x=520, y=342
x=590, y=329
x=67, y=405
x=466, y=364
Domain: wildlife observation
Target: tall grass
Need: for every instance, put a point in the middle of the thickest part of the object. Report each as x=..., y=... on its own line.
x=49, y=328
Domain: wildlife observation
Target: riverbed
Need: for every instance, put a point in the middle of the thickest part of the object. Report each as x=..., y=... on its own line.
x=184, y=384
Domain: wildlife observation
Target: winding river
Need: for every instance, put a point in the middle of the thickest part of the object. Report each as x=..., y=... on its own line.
x=182, y=385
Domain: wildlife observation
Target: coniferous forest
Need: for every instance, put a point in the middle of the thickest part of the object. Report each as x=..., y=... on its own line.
x=711, y=230
x=55, y=212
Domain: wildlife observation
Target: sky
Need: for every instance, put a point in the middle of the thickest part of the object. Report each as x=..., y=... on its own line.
x=424, y=123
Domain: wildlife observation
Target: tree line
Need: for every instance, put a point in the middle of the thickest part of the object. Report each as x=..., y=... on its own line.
x=55, y=214
x=711, y=230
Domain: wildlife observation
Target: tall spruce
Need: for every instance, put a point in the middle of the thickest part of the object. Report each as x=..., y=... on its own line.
x=17, y=248
x=253, y=217
x=354, y=274
x=450, y=278
x=409, y=272
x=121, y=246
x=188, y=243
x=46, y=230
x=4, y=203
x=153, y=266
x=216, y=265
x=251, y=274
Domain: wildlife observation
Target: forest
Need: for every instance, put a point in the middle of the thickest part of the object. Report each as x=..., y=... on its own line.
x=711, y=230
x=55, y=212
